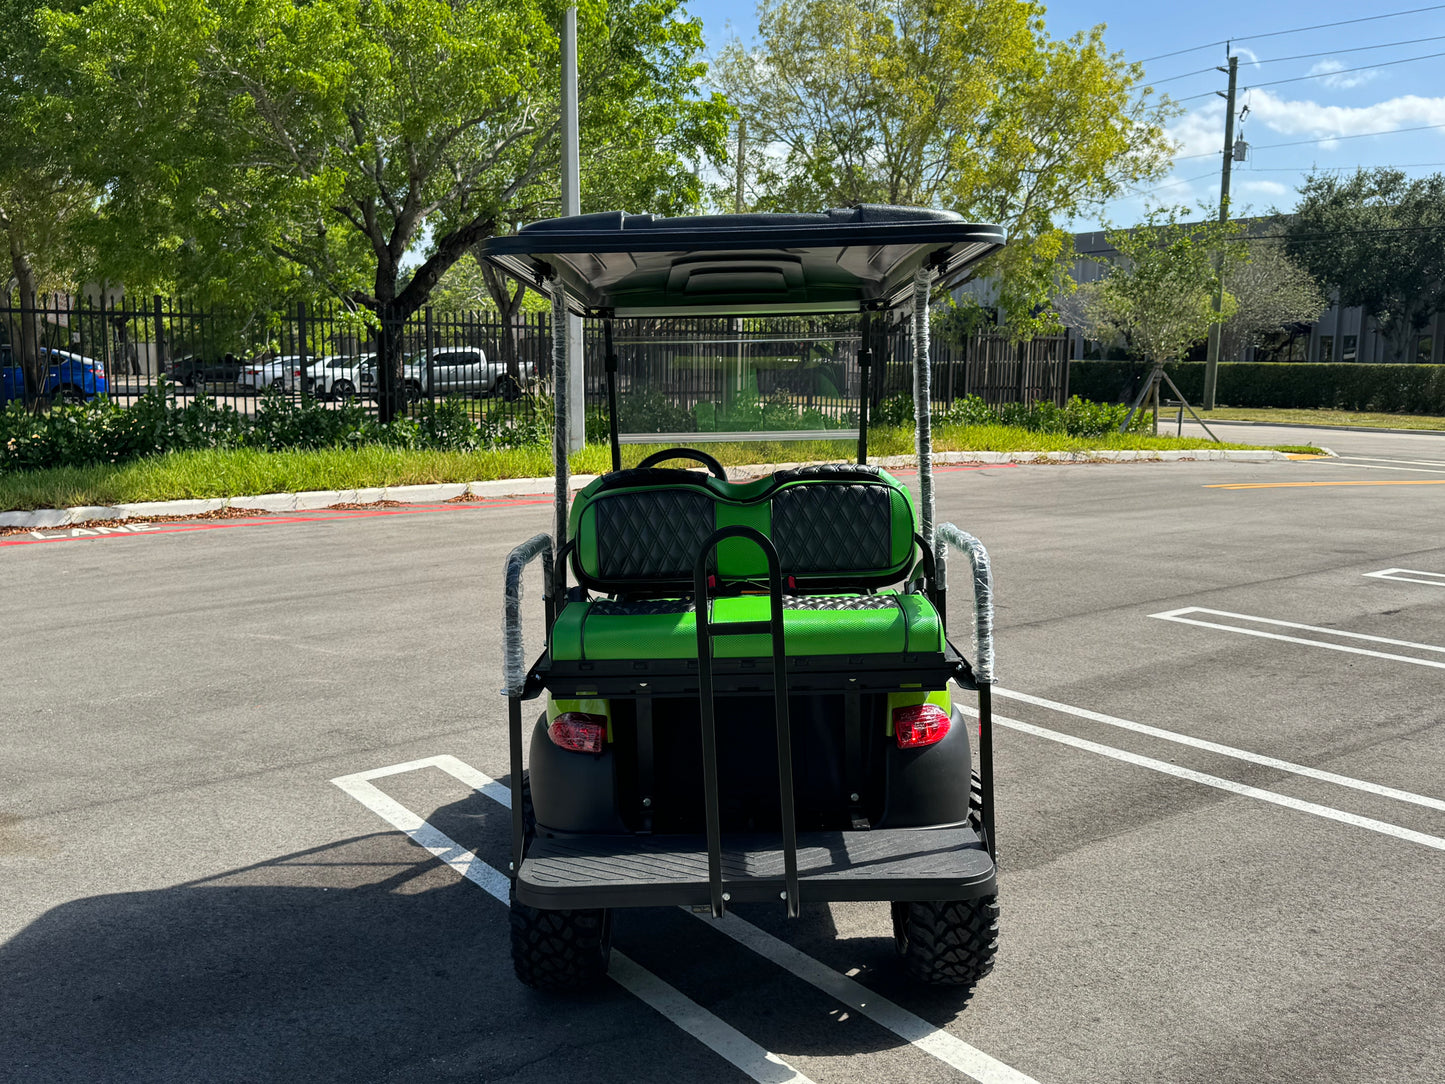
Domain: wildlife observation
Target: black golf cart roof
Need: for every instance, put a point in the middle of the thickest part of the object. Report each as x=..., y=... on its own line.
x=849, y=260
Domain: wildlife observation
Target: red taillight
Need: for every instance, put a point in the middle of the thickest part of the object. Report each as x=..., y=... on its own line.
x=578, y=732
x=919, y=724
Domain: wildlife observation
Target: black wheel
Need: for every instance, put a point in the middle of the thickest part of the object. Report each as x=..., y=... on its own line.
x=69, y=395
x=508, y=388
x=343, y=389
x=557, y=951
x=279, y=384
x=189, y=380
x=947, y=942
x=411, y=391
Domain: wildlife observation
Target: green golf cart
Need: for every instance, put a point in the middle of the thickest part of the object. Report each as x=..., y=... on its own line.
x=681, y=606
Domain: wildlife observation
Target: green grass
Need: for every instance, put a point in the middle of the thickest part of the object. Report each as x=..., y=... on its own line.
x=1320, y=417
x=203, y=474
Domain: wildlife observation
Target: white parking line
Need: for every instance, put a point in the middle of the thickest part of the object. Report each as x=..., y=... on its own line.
x=1415, y=575
x=1382, y=459
x=1353, y=465
x=1178, y=615
x=1274, y=798
x=1223, y=750
x=720, y=1037
x=934, y=1041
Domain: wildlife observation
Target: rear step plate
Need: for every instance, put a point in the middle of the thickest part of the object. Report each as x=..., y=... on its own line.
x=644, y=871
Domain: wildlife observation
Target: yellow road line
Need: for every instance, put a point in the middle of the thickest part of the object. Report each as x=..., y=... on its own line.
x=1301, y=485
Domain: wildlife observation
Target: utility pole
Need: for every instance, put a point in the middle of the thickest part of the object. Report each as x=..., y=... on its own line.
x=1211, y=365
x=572, y=205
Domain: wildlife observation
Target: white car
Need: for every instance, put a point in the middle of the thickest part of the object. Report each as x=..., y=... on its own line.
x=341, y=376
x=284, y=372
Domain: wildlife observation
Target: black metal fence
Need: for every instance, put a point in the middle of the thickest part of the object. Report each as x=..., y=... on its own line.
x=674, y=374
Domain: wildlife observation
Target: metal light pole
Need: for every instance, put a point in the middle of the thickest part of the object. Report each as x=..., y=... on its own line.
x=572, y=205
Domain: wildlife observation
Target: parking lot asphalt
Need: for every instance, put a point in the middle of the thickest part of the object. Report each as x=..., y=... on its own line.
x=1221, y=806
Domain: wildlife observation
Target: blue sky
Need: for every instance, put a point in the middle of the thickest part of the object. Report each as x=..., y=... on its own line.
x=1321, y=121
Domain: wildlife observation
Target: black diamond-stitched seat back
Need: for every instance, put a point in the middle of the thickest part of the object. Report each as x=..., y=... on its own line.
x=834, y=527
x=654, y=534
x=844, y=527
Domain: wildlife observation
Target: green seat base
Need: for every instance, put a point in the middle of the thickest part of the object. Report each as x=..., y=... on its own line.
x=888, y=623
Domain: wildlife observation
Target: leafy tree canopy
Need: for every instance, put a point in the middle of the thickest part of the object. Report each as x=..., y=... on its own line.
x=1270, y=291
x=1378, y=238
x=962, y=104
x=259, y=143
x=1159, y=293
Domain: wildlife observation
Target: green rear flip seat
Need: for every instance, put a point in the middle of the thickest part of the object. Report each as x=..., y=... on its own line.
x=840, y=531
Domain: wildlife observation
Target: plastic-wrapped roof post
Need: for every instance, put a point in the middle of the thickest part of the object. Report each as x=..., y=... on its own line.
x=560, y=436
x=514, y=662
x=923, y=401
x=949, y=535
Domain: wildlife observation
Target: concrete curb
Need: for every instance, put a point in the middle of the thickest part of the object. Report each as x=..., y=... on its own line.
x=1330, y=428
x=508, y=487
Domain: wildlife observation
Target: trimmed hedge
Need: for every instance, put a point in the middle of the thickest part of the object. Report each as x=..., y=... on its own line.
x=1390, y=389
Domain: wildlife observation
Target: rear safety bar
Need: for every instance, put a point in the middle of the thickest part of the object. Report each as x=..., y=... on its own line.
x=945, y=535
x=772, y=627
x=514, y=663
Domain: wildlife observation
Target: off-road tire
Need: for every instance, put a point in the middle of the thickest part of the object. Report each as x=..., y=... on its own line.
x=950, y=943
x=947, y=942
x=557, y=951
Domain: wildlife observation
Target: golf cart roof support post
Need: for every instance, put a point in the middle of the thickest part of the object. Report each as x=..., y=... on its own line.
x=560, y=400
x=611, y=364
x=865, y=366
x=923, y=400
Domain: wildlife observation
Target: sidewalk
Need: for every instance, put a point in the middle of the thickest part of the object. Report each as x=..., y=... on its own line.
x=507, y=487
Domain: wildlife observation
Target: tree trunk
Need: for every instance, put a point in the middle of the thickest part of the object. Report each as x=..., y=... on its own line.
x=28, y=347
x=508, y=304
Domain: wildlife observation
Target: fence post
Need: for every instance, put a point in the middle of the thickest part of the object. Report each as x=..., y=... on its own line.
x=301, y=347
x=160, y=338
x=431, y=391
x=1067, y=358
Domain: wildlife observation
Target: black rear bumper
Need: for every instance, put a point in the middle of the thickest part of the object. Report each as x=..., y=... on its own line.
x=562, y=873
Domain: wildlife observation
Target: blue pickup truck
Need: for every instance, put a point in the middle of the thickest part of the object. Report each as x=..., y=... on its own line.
x=70, y=378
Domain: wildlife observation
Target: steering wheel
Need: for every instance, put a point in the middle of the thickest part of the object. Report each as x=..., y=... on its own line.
x=714, y=467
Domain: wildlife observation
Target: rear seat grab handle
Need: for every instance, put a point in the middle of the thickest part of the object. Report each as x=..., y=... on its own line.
x=514, y=664
x=946, y=534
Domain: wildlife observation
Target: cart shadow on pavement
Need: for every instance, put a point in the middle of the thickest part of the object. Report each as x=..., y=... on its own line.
x=367, y=960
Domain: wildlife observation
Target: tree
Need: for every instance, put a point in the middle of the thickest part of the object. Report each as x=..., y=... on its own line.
x=1379, y=240
x=1270, y=291
x=962, y=104
x=1159, y=293
x=326, y=141
x=41, y=197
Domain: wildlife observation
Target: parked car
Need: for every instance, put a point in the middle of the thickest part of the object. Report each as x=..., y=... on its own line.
x=285, y=372
x=341, y=376
x=69, y=377
x=461, y=370
x=191, y=370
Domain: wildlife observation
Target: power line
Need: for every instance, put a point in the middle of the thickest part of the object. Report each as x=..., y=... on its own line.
x=1345, y=71
x=1294, y=30
x=1318, y=139
x=1306, y=56
x=1342, y=169
x=1354, y=49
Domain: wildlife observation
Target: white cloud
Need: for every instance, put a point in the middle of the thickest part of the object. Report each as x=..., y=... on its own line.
x=1252, y=187
x=1304, y=118
x=1327, y=67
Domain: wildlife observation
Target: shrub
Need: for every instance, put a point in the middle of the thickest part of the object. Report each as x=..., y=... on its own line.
x=1390, y=389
